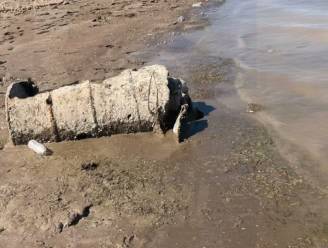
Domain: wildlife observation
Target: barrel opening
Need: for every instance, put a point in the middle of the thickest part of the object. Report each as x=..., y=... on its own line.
x=23, y=89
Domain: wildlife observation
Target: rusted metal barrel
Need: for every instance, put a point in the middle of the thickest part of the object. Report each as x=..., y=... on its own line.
x=134, y=101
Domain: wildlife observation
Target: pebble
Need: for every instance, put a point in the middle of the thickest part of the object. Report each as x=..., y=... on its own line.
x=181, y=19
x=197, y=5
x=253, y=107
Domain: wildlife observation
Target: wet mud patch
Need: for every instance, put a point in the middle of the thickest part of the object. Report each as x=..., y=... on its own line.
x=244, y=193
x=203, y=74
x=204, y=77
x=102, y=199
x=141, y=188
x=286, y=203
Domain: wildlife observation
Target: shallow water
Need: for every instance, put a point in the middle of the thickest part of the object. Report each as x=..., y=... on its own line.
x=281, y=50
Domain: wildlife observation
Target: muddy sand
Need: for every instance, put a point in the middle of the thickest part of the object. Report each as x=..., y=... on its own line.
x=226, y=186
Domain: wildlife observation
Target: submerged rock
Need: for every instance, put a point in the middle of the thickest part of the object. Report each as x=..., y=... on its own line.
x=134, y=101
x=253, y=107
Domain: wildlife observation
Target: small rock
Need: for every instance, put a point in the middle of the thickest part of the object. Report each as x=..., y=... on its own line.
x=75, y=217
x=127, y=241
x=130, y=15
x=88, y=166
x=181, y=19
x=2, y=229
x=59, y=227
x=253, y=107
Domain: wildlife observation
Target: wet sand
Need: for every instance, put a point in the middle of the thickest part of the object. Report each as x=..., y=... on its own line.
x=226, y=186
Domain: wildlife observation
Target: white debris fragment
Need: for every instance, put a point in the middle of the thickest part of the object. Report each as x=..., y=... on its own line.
x=197, y=5
x=37, y=147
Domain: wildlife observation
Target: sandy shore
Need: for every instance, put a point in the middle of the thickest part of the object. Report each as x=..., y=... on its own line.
x=67, y=41
x=227, y=186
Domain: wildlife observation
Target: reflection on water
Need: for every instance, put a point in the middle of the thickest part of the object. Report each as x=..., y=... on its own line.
x=281, y=48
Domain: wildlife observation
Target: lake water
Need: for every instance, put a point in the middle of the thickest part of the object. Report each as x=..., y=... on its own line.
x=281, y=50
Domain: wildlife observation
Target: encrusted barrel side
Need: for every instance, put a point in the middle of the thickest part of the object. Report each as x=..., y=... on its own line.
x=29, y=116
x=73, y=111
x=131, y=101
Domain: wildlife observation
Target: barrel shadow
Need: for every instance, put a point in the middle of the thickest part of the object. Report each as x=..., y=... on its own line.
x=198, y=126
